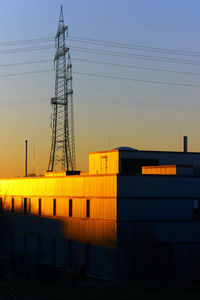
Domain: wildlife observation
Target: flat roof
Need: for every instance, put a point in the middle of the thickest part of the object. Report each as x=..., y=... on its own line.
x=168, y=166
x=145, y=151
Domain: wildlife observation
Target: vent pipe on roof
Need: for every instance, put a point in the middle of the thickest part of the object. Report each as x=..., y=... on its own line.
x=185, y=143
x=26, y=152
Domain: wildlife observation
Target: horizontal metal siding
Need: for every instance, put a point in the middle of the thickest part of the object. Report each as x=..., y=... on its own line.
x=76, y=186
x=85, y=230
x=154, y=209
x=164, y=232
x=74, y=256
x=158, y=186
x=102, y=261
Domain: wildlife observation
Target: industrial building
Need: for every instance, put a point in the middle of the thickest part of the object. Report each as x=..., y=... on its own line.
x=96, y=220
x=134, y=212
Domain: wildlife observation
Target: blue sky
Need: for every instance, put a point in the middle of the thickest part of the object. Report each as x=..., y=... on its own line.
x=131, y=85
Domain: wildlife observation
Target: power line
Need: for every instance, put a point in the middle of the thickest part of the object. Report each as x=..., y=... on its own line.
x=16, y=103
x=106, y=63
x=118, y=102
x=124, y=17
x=115, y=102
x=136, y=67
x=137, y=56
x=108, y=76
x=24, y=42
x=26, y=63
x=112, y=44
x=23, y=11
x=25, y=73
x=134, y=46
x=109, y=86
x=104, y=52
x=139, y=80
x=18, y=50
x=46, y=7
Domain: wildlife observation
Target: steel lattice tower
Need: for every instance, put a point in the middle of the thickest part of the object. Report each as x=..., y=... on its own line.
x=62, y=155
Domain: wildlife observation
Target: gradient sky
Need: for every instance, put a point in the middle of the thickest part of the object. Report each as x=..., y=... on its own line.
x=109, y=112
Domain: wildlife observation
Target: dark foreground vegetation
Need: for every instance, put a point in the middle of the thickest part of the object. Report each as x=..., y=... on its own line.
x=89, y=289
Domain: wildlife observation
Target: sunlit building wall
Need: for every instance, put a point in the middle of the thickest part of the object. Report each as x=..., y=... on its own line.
x=127, y=197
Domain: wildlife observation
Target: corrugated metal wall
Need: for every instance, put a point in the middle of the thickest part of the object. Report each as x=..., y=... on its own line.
x=92, y=231
x=154, y=209
x=177, y=232
x=149, y=186
x=71, y=186
x=94, y=260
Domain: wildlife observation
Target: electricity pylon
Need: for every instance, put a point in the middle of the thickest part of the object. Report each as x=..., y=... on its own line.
x=62, y=154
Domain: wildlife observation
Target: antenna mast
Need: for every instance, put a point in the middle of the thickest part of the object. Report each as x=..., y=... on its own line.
x=62, y=154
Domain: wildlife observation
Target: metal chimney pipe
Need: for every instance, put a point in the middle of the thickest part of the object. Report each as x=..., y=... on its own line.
x=185, y=143
x=26, y=151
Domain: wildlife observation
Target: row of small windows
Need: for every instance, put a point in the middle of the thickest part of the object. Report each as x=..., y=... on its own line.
x=27, y=206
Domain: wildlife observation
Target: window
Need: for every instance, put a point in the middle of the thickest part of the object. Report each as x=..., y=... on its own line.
x=70, y=207
x=1, y=203
x=29, y=206
x=13, y=205
x=39, y=206
x=87, y=208
x=25, y=206
x=54, y=207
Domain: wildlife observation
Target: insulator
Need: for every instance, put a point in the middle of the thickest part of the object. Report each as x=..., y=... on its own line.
x=53, y=101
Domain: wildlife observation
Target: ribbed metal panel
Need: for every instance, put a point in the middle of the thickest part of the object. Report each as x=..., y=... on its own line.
x=154, y=209
x=159, y=232
x=76, y=186
x=158, y=186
